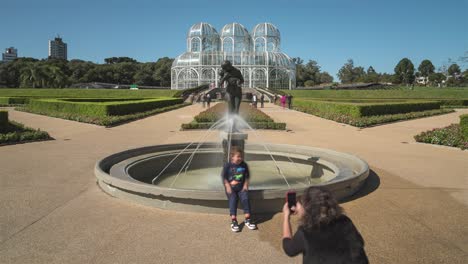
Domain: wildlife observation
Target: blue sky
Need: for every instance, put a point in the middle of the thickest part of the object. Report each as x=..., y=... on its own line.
x=371, y=32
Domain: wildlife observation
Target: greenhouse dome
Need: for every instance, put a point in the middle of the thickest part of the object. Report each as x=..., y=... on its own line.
x=256, y=55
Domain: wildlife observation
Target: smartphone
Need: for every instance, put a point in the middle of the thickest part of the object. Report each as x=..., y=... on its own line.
x=291, y=198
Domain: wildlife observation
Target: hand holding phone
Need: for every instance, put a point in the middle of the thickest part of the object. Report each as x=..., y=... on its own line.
x=291, y=199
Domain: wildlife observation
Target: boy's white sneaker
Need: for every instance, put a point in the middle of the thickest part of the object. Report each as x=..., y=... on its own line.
x=235, y=226
x=250, y=225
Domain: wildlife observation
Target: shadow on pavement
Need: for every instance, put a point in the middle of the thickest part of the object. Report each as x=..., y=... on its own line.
x=371, y=184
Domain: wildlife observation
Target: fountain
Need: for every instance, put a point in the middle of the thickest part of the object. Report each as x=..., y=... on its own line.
x=186, y=176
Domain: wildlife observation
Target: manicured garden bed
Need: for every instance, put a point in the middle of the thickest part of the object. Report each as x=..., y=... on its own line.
x=358, y=110
x=86, y=93
x=417, y=93
x=368, y=121
x=451, y=136
x=254, y=117
x=100, y=107
x=106, y=120
x=12, y=132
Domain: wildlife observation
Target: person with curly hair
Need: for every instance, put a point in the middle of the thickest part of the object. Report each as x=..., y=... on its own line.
x=325, y=233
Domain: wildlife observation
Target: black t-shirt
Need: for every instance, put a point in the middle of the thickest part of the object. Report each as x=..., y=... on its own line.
x=339, y=242
x=232, y=171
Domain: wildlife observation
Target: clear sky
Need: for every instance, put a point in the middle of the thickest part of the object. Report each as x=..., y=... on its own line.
x=371, y=32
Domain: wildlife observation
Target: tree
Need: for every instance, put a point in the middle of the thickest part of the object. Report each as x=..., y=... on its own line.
x=350, y=74
x=325, y=77
x=454, y=69
x=436, y=78
x=404, y=71
x=386, y=78
x=426, y=68
x=79, y=69
x=297, y=60
x=163, y=71
x=309, y=83
x=114, y=60
x=32, y=75
x=312, y=72
x=345, y=74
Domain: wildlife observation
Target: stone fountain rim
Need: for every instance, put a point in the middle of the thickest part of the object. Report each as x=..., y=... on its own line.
x=128, y=184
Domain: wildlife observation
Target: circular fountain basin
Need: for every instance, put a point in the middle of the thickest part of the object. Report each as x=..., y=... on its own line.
x=159, y=176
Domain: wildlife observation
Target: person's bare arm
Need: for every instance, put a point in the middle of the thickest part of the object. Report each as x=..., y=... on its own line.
x=287, y=233
x=246, y=185
x=227, y=186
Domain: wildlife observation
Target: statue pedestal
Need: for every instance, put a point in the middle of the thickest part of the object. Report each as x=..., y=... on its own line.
x=235, y=139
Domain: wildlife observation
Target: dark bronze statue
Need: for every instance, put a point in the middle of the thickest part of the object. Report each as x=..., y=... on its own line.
x=233, y=77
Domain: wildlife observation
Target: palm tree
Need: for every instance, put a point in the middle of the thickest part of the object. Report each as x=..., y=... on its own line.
x=31, y=75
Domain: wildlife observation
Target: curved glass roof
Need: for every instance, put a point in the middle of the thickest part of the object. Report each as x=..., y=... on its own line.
x=202, y=29
x=234, y=30
x=265, y=30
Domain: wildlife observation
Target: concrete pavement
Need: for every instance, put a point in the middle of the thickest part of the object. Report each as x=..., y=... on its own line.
x=412, y=210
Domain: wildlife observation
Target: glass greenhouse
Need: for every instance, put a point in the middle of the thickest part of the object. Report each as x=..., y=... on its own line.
x=257, y=56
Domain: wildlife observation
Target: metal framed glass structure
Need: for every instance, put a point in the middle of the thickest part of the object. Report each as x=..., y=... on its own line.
x=257, y=56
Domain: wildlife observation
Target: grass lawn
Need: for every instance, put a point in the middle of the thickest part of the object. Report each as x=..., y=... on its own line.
x=86, y=93
x=417, y=93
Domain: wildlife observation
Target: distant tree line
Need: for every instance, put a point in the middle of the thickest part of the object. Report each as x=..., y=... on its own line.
x=405, y=73
x=56, y=73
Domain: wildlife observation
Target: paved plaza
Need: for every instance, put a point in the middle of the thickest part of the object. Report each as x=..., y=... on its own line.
x=413, y=208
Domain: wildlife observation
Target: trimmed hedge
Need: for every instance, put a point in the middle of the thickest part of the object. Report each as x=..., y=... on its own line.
x=248, y=113
x=13, y=100
x=368, y=121
x=107, y=121
x=418, y=93
x=368, y=109
x=3, y=118
x=256, y=125
x=454, y=103
x=15, y=132
x=448, y=136
x=464, y=126
x=86, y=93
x=254, y=117
x=101, y=108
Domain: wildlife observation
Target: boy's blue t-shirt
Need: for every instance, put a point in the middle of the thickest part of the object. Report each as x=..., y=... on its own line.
x=232, y=171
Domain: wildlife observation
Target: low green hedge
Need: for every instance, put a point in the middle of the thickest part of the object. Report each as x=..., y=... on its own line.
x=15, y=132
x=366, y=109
x=100, y=108
x=13, y=100
x=256, y=125
x=3, y=118
x=454, y=103
x=247, y=112
x=368, y=121
x=107, y=121
x=101, y=100
x=464, y=126
x=447, y=136
x=254, y=117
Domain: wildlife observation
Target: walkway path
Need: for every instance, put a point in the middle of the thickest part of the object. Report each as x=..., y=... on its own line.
x=413, y=209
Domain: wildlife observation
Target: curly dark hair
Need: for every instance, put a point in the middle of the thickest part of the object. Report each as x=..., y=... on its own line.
x=320, y=208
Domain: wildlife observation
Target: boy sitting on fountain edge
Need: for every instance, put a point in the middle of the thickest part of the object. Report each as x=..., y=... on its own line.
x=236, y=182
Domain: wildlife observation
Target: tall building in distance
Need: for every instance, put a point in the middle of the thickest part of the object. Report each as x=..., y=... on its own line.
x=57, y=48
x=10, y=54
